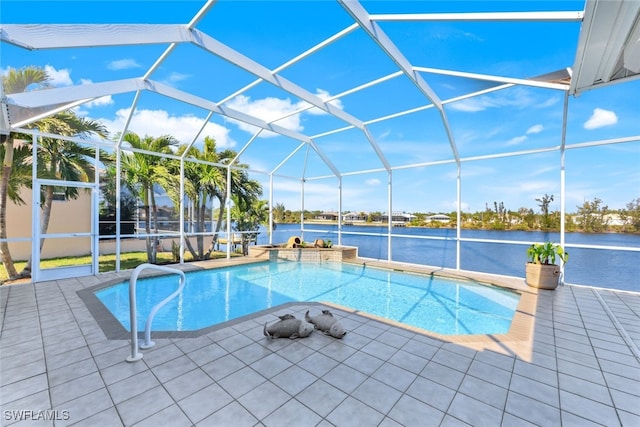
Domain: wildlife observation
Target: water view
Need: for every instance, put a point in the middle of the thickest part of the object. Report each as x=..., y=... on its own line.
x=614, y=269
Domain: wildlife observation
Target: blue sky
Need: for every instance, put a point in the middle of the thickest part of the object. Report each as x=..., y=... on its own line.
x=272, y=33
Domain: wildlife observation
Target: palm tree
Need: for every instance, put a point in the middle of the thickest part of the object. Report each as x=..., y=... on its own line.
x=248, y=215
x=60, y=159
x=243, y=189
x=279, y=212
x=200, y=183
x=14, y=81
x=19, y=176
x=141, y=173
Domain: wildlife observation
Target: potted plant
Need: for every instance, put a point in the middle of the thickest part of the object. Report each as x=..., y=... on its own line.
x=541, y=268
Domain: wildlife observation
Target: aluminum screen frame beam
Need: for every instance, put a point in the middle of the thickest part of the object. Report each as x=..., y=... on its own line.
x=361, y=16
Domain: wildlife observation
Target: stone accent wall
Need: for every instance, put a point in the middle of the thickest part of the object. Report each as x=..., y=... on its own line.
x=274, y=253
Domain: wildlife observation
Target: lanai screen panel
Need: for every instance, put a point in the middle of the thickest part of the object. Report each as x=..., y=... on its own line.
x=247, y=68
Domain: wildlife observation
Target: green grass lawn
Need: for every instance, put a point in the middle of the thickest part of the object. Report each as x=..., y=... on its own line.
x=106, y=262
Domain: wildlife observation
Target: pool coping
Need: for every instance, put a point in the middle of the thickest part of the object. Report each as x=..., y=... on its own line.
x=518, y=340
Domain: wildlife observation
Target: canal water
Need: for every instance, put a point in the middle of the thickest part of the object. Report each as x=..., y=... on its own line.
x=614, y=269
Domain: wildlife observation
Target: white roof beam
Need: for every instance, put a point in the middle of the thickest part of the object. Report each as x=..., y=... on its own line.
x=237, y=115
x=201, y=13
x=331, y=132
x=366, y=85
x=127, y=122
x=362, y=17
x=69, y=94
x=160, y=60
x=197, y=135
x=49, y=112
x=569, y=16
x=486, y=77
x=212, y=106
x=225, y=52
x=417, y=109
x=298, y=58
x=54, y=36
x=286, y=159
x=243, y=149
x=345, y=93
x=384, y=42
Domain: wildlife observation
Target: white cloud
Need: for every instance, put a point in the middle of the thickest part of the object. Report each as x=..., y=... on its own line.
x=267, y=109
x=123, y=64
x=383, y=135
x=514, y=98
x=59, y=77
x=601, y=118
x=175, y=78
x=372, y=181
x=553, y=100
x=270, y=109
x=535, y=129
x=471, y=105
x=517, y=140
x=103, y=100
x=160, y=122
x=323, y=95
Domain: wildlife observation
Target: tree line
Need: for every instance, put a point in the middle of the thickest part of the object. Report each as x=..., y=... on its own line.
x=591, y=217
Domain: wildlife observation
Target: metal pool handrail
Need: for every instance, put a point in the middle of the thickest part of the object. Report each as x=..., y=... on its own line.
x=135, y=354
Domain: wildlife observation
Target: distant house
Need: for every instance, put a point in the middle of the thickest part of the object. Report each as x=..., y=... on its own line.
x=614, y=219
x=355, y=217
x=439, y=218
x=398, y=217
x=608, y=219
x=326, y=216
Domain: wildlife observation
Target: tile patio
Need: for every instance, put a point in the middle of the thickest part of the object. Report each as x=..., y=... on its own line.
x=578, y=366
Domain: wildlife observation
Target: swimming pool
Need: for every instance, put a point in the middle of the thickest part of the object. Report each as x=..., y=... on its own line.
x=210, y=297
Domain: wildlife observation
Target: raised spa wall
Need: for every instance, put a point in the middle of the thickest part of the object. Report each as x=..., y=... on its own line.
x=304, y=254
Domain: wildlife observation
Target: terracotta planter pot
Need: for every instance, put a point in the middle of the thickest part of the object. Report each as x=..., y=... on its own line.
x=542, y=276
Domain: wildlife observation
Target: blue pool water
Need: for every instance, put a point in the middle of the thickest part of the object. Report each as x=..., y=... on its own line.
x=214, y=296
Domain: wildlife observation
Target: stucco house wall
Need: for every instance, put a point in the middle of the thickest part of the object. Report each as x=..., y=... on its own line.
x=72, y=216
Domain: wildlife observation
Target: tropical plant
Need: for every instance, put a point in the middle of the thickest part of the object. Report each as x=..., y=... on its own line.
x=591, y=216
x=19, y=176
x=243, y=189
x=247, y=218
x=59, y=159
x=141, y=173
x=14, y=81
x=107, y=213
x=545, y=253
x=631, y=215
x=201, y=181
x=279, y=212
x=544, y=203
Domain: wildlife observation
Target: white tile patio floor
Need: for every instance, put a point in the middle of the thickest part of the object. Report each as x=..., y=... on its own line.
x=583, y=369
